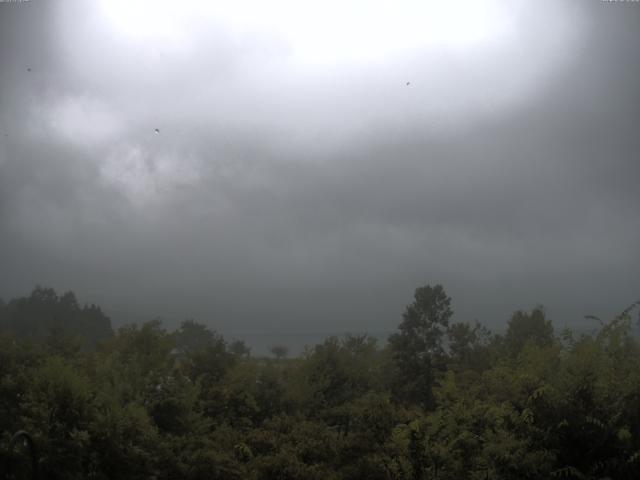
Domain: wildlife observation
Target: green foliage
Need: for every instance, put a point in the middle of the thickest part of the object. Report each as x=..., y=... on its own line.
x=526, y=328
x=193, y=337
x=469, y=347
x=43, y=313
x=418, y=351
x=443, y=401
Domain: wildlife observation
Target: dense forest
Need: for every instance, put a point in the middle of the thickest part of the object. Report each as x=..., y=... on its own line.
x=440, y=400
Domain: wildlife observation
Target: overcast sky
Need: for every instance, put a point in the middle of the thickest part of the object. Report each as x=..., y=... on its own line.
x=315, y=162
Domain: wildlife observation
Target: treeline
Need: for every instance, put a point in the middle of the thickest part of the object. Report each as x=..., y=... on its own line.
x=441, y=400
x=45, y=315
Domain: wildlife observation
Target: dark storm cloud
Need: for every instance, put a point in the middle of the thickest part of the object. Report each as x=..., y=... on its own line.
x=280, y=198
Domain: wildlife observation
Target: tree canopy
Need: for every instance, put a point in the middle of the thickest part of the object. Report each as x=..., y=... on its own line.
x=441, y=400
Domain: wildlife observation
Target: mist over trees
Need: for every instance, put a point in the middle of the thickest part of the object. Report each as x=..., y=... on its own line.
x=440, y=400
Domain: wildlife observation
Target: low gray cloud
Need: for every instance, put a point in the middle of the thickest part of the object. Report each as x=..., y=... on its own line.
x=278, y=196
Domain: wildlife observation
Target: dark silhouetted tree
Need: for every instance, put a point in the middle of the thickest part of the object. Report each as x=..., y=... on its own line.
x=417, y=349
x=468, y=346
x=240, y=349
x=44, y=312
x=193, y=337
x=279, y=351
x=525, y=328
